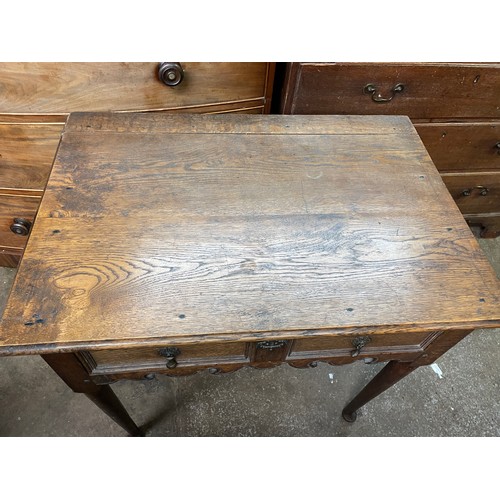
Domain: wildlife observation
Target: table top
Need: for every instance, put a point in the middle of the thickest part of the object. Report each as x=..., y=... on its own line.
x=226, y=227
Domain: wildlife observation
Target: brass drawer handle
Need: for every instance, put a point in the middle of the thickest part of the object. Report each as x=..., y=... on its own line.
x=358, y=344
x=370, y=88
x=170, y=353
x=170, y=73
x=497, y=146
x=483, y=191
x=21, y=226
x=271, y=344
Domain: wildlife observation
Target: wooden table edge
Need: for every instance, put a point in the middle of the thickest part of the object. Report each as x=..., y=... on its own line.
x=190, y=339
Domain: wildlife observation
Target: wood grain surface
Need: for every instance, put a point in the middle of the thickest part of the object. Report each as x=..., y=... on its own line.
x=187, y=228
x=26, y=155
x=432, y=90
x=57, y=88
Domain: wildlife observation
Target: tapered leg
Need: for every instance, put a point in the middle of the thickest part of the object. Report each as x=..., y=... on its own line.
x=392, y=372
x=69, y=368
x=109, y=403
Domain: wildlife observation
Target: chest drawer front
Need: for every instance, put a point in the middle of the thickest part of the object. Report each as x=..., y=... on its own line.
x=158, y=357
x=486, y=226
x=65, y=87
x=475, y=193
x=26, y=155
x=12, y=207
x=420, y=91
x=462, y=147
x=354, y=345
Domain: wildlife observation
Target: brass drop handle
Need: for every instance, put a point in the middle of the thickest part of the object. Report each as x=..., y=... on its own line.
x=271, y=344
x=170, y=353
x=358, y=344
x=21, y=226
x=170, y=73
x=483, y=191
x=371, y=88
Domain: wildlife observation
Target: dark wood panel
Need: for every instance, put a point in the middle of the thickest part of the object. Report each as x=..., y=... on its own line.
x=26, y=155
x=462, y=147
x=475, y=193
x=63, y=87
x=485, y=225
x=430, y=90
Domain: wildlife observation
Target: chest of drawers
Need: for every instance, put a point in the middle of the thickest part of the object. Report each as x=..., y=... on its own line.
x=455, y=109
x=36, y=98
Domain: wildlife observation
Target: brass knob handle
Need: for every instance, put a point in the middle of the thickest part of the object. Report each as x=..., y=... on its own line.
x=358, y=344
x=21, y=226
x=483, y=191
x=170, y=353
x=170, y=73
x=497, y=146
x=371, y=88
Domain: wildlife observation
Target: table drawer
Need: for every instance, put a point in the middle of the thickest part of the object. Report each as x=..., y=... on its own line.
x=109, y=361
x=462, y=147
x=420, y=91
x=64, y=87
x=15, y=207
x=362, y=345
x=26, y=155
x=475, y=193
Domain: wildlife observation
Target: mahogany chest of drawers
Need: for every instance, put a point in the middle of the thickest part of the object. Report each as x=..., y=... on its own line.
x=35, y=99
x=455, y=109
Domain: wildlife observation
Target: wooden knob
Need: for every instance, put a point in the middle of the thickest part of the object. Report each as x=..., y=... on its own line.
x=170, y=73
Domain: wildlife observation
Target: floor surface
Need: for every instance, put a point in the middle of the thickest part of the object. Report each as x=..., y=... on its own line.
x=284, y=401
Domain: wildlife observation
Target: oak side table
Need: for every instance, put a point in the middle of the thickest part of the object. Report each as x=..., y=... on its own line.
x=177, y=243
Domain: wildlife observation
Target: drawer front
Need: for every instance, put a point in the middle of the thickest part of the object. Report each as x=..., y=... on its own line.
x=9, y=257
x=475, y=193
x=12, y=207
x=485, y=226
x=462, y=147
x=420, y=91
x=359, y=345
x=26, y=155
x=158, y=357
x=64, y=87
